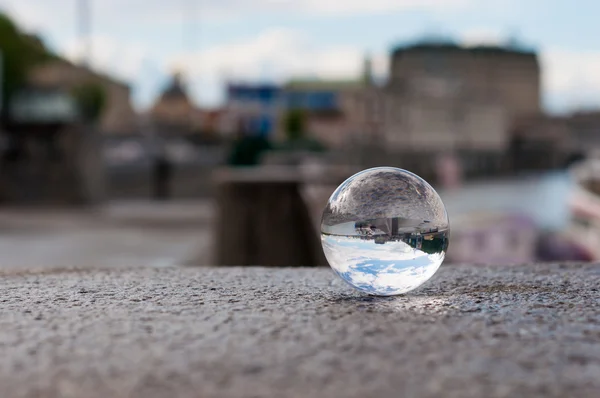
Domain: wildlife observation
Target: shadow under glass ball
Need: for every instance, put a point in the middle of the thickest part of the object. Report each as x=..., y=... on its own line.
x=385, y=231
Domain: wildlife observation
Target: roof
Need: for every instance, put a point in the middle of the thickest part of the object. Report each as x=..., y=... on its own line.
x=94, y=72
x=448, y=46
x=175, y=88
x=56, y=62
x=318, y=84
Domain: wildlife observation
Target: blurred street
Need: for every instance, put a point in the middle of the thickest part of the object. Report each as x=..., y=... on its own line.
x=132, y=233
x=119, y=234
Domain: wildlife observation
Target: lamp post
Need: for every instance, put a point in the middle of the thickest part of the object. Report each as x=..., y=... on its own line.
x=84, y=29
x=1, y=83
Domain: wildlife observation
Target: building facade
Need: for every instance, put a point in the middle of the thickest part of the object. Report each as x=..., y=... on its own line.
x=174, y=108
x=333, y=109
x=254, y=108
x=444, y=97
x=584, y=128
x=507, y=76
x=118, y=115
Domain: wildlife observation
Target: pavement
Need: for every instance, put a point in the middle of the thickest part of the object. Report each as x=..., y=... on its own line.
x=119, y=234
x=472, y=331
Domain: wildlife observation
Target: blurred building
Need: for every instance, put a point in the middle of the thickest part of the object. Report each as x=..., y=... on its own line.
x=254, y=108
x=443, y=100
x=173, y=108
x=449, y=97
x=175, y=113
x=506, y=75
x=323, y=104
x=541, y=142
x=337, y=111
x=216, y=122
x=49, y=157
x=118, y=115
x=584, y=128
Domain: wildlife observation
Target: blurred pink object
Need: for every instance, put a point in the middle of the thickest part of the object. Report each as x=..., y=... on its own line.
x=449, y=171
x=493, y=238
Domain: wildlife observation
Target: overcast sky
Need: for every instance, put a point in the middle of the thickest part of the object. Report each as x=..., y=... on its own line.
x=142, y=41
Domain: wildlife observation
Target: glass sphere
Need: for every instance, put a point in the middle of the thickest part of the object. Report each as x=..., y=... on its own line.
x=385, y=231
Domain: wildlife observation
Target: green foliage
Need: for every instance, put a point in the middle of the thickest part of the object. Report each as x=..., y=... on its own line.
x=248, y=150
x=295, y=124
x=297, y=137
x=436, y=245
x=20, y=52
x=91, y=101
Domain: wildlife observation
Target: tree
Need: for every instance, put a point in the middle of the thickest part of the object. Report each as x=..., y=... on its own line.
x=435, y=245
x=247, y=150
x=297, y=137
x=295, y=124
x=20, y=52
x=91, y=101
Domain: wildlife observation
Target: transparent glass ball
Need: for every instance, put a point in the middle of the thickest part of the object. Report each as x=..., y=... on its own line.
x=385, y=231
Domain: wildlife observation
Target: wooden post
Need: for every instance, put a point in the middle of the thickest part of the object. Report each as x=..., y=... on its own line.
x=264, y=220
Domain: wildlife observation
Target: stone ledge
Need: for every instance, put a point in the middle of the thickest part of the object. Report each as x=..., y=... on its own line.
x=530, y=330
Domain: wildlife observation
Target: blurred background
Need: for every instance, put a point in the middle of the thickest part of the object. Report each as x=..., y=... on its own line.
x=122, y=120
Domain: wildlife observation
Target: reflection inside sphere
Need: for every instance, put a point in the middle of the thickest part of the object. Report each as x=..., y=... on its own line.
x=385, y=231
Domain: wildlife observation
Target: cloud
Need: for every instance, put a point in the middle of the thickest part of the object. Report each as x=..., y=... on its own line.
x=482, y=36
x=347, y=7
x=276, y=54
x=570, y=79
x=392, y=268
x=159, y=10
x=33, y=14
x=128, y=61
x=120, y=58
x=30, y=15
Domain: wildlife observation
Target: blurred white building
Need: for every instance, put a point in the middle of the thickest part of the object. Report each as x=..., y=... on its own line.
x=441, y=96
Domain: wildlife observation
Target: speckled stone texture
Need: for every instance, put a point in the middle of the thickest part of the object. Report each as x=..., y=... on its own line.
x=255, y=332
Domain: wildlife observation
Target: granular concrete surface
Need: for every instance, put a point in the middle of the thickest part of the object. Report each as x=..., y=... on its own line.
x=471, y=331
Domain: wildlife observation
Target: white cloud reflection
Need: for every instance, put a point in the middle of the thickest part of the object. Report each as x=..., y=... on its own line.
x=386, y=269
